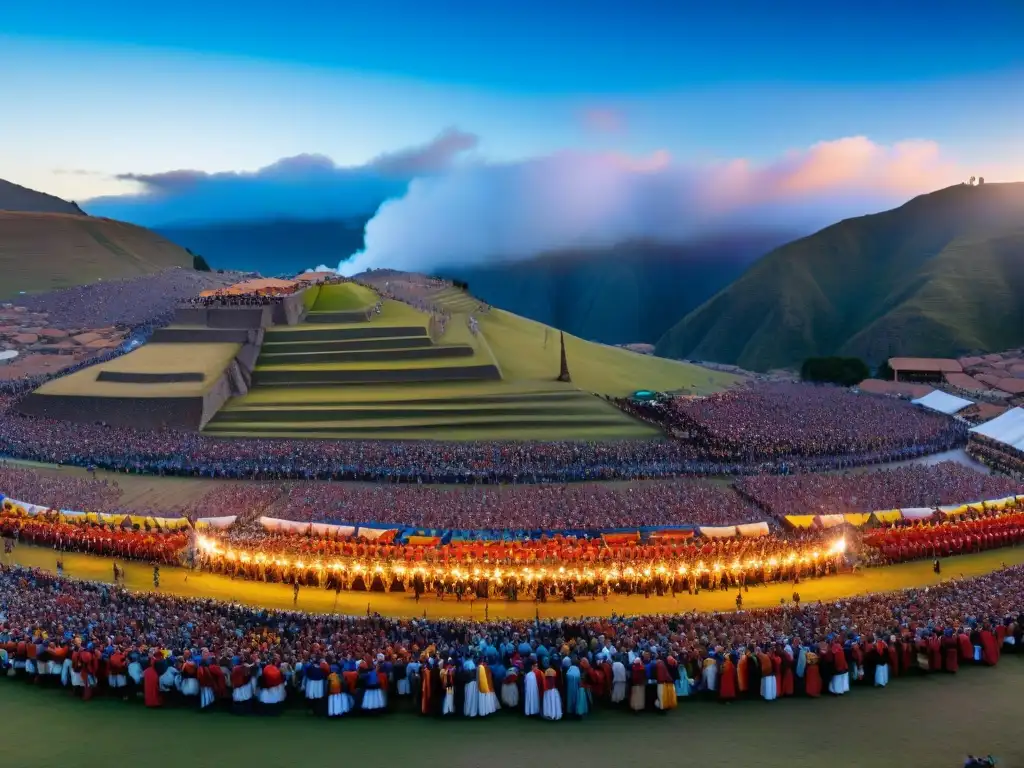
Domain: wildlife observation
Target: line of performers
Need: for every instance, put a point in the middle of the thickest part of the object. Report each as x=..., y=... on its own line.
x=550, y=686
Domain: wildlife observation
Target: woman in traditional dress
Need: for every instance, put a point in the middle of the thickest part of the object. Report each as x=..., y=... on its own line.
x=533, y=690
x=470, y=701
x=709, y=674
x=679, y=676
x=373, y=697
x=638, y=686
x=666, y=688
x=572, y=690
x=487, y=699
x=768, y=687
x=812, y=675
x=552, y=706
x=510, y=689
x=618, y=681
x=728, y=681
x=881, y=663
x=448, y=683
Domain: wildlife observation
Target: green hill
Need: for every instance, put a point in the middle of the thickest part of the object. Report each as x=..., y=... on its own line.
x=348, y=372
x=941, y=275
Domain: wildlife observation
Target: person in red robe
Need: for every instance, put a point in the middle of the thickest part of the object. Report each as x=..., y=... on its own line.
x=812, y=675
x=963, y=640
x=151, y=685
x=727, y=680
x=950, y=652
x=989, y=648
x=934, y=646
x=787, y=685
x=743, y=674
x=90, y=668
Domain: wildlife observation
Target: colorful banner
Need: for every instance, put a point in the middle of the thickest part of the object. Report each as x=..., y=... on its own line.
x=752, y=530
x=800, y=521
x=332, y=531
x=424, y=541
x=674, y=534
x=381, y=535
x=718, y=532
x=857, y=519
x=829, y=521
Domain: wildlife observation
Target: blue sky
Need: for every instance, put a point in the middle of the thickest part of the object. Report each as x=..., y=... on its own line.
x=102, y=89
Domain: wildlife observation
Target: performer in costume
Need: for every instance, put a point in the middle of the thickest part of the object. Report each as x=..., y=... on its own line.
x=638, y=686
x=241, y=689
x=881, y=663
x=373, y=697
x=487, y=699
x=448, y=683
x=552, y=697
x=768, y=688
x=117, y=677
x=680, y=679
x=840, y=682
x=618, y=681
x=666, y=689
x=812, y=675
x=470, y=690
x=338, y=701
x=533, y=690
x=207, y=698
x=709, y=674
x=189, y=682
x=510, y=689
x=273, y=690
x=729, y=679
x=151, y=685
x=572, y=690
x=950, y=652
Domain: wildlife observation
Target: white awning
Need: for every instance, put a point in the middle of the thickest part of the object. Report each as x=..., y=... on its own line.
x=943, y=402
x=1007, y=429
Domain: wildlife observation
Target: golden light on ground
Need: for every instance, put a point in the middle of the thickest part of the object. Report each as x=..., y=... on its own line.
x=180, y=581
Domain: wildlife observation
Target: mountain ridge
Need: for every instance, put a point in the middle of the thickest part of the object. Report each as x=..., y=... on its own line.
x=921, y=279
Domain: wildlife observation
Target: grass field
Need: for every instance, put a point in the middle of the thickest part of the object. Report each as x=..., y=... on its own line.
x=208, y=359
x=921, y=722
x=180, y=581
x=343, y=297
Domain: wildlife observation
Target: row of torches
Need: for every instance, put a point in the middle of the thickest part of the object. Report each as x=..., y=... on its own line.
x=212, y=549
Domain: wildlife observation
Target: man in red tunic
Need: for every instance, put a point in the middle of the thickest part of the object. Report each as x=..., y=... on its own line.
x=950, y=652
x=151, y=685
x=727, y=680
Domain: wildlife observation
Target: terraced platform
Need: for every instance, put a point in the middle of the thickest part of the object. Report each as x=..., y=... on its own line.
x=450, y=411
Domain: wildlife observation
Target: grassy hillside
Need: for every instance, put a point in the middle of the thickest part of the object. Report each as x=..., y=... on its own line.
x=14, y=197
x=45, y=251
x=632, y=292
x=941, y=275
x=390, y=376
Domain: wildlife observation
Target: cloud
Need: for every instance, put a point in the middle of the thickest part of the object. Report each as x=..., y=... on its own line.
x=308, y=186
x=482, y=211
x=434, y=157
x=604, y=120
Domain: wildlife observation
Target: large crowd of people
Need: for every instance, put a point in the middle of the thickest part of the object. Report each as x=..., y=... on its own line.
x=815, y=426
x=127, y=303
x=915, y=485
x=94, y=639
x=914, y=541
x=582, y=506
x=588, y=506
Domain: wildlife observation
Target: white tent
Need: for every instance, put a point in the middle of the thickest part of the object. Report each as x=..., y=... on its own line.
x=943, y=402
x=1007, y=429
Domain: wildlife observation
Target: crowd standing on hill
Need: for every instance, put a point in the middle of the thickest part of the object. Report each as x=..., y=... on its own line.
x=93, y=639
x=814, y=426
x=128, y=303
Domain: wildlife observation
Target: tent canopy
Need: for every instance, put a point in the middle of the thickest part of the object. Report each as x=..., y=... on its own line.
x=943, y=402
x=1007, y=429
